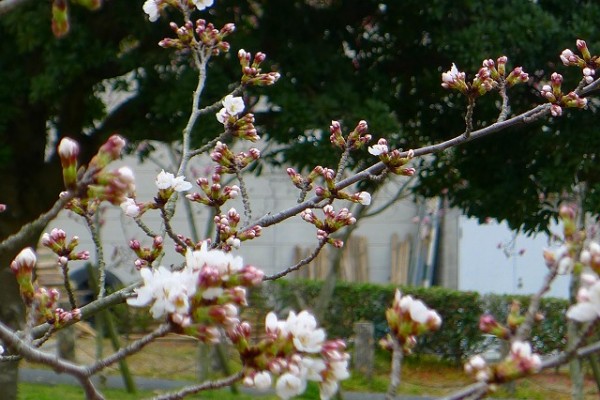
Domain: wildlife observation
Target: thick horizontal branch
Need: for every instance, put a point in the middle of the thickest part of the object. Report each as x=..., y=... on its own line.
x=522, y=119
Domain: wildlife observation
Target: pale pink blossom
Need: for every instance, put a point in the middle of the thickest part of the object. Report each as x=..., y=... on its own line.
x=587, y=308
x=130, y=208
x=224, y=263
x=202, y=4
x=289, y=385
x=150, y=7
x=68, y=149
x=364, y=198
x=262, y=380
x=168, y=291
x=306, y=336
x=166, y=180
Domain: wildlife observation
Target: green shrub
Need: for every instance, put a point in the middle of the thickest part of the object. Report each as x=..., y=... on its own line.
x=460, y=311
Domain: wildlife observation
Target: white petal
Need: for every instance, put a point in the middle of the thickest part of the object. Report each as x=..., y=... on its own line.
x=582, y=312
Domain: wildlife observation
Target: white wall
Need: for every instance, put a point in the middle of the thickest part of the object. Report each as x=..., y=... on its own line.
x=272, y=252
x=486, y=269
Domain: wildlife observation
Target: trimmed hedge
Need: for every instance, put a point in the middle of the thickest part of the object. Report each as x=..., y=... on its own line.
x=460, y=312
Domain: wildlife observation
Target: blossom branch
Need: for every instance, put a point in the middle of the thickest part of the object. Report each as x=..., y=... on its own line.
x=244, y=192
x=525, y=329
x=201, y=58
x=91, y=309
x=397, y=356
x=37, y=356
x=132, y=348
x=93, y=228
x=298, y=265
x=145, y=228
x=504, y=106
x=216, y=384
x=208, y=146
x=479, y=389
x=522, y=119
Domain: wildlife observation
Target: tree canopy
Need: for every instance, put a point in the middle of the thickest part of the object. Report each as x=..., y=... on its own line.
x=345, y=60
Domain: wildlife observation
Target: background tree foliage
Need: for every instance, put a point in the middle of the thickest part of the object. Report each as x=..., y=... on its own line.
x=345, y=60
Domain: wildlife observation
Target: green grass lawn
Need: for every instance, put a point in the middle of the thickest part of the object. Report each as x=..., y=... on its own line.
x=31, y=391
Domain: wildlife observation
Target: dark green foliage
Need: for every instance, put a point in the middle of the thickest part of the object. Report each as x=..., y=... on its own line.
x=460, y=312
x=344, y=60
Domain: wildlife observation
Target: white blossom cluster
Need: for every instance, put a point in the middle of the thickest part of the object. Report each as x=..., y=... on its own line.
x=312, y=358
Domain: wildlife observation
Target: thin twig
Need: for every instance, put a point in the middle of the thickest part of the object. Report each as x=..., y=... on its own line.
x=298, y=265
x=525, y=329
x=244, y=192
x=131, y=348
x=217, y=384
x=504, y=107
x=99, y=255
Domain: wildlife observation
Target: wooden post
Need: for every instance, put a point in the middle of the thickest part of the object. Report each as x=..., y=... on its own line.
x=364, y=348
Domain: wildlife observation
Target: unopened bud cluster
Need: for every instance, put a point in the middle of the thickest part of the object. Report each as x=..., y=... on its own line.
x=355, y=139
x=229, y=235
x=586, y=62
x=56, y=241
x=553, y=93
x=407, y=319
x=251, y=72
x=42, y=301
x=393, y=160
x=146, y=255
x=563, y=259
x=206, y=35
x=229, y=162
x=213, y=194
x=114, y=186
x=488, y=78
x=331, y=223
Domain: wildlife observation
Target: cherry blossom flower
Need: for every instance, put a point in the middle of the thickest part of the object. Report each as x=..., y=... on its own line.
x=166, y=180
x=262, y=380
x=364, y=198
x=130, y=208
x=169, y=291
x=527, y=361
x=380, y=148
x=306, y=336
x=202, y=4
x=224, y=263
x=289, y=385
x=587, y=308
x=150, y=7
x=232, y=106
